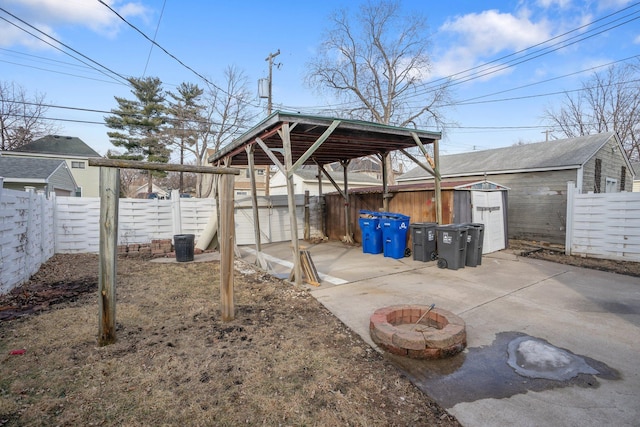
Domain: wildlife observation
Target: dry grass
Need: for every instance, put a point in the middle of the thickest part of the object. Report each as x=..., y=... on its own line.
x=285, y=360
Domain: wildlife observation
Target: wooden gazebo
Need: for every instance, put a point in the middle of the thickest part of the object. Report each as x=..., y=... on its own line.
x=289, y=141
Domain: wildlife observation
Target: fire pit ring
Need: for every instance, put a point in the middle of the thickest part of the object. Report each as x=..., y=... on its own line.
x=418, y=331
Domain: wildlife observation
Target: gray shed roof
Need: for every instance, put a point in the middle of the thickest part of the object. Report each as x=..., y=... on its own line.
x=29, y=168
x=560, y=154
x=59, y=145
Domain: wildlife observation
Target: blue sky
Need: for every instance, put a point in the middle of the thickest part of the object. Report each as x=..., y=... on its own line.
x=208, y=36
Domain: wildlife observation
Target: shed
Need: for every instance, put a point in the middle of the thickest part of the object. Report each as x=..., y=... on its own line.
x=537, y=176
x=290, y=140
x=48, y=175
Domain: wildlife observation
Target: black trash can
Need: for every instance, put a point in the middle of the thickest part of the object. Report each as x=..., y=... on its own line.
x=474, y=245
x=183, y=245
x=423, y=241
x=475, y=236
x=452, y=246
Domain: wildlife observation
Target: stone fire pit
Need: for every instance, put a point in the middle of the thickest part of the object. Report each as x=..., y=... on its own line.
x=437, y=334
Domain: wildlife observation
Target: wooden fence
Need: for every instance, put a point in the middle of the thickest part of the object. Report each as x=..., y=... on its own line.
x=26, y=235
x=604, y=225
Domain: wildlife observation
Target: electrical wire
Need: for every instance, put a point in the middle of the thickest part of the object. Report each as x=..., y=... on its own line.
x=113, y=73
x=173, y=56
x=155, y=34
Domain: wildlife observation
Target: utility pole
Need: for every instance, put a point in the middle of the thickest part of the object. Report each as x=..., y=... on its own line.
x=270, y=60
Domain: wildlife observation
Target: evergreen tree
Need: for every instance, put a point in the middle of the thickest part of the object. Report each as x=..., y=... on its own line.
x=186, y=117
x=138, y=122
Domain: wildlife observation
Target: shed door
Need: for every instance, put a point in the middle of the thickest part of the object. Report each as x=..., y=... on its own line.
x=487, y=209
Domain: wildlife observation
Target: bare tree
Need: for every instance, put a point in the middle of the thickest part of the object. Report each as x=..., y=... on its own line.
x=22, y=117
x=609, y=101
x=376, y=63
x=226, y=114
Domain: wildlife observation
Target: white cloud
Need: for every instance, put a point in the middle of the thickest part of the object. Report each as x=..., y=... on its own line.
x=563, y=4
x=476, y=37
x=46, y=15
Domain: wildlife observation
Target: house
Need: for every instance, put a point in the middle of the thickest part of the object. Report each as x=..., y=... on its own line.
x=306, y=179
x=636, y=176
x=75, y=152
x=537, y=176
x=242, y=183
x=48, y=175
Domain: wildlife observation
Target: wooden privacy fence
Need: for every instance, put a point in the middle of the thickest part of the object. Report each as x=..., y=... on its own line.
x=26, y=235
x=603, y=225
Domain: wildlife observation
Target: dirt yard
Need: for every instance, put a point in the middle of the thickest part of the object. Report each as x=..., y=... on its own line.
x=285, y=360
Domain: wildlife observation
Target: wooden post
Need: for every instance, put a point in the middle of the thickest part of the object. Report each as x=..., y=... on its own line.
x=254, y=204
x=307, y=219
x=385, y=182
x=436, y=169
x=347, y=204
x=227, y=240
x=109, y=194
x=293, y=220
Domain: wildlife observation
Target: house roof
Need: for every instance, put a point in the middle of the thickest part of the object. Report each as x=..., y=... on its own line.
x=636, y=170
x=349, y=140
x=59, y=145
x=560, y=154
x=354, y=177
x=23, y=168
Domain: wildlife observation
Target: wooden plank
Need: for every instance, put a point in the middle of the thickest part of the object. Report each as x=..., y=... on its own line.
x=171, y=167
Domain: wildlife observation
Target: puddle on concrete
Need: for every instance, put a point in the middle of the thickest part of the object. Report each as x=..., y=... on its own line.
x=484, y=372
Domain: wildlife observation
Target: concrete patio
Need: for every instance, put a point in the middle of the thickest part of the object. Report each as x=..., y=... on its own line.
x=592, y=315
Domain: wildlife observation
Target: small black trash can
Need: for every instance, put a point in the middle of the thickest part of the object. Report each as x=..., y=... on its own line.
x=423, y=241
x=184, y=244
x=452, y=246
x=475, y=236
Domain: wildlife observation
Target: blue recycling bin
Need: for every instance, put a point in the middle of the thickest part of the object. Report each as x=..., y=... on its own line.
x=371, y=232
x=394, y=234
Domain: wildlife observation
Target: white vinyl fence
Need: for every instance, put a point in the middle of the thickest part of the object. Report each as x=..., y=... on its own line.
x=26, y=235
x=603, y=225
x=33, y=228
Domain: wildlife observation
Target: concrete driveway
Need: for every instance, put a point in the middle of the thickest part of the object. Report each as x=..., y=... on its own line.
x=560, y=312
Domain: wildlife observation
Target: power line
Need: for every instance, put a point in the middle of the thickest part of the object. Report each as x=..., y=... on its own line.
x=59, y=42
x=155, y=34
x=171, y=55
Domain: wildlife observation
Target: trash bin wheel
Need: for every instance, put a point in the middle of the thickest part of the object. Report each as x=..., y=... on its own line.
x=407, y=252
x=442, y=263
x=434, y=256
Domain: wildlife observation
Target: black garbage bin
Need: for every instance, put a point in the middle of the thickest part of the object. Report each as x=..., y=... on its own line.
x=183, y=245
x=452, y=246
x=423, y=241
x=474, y=244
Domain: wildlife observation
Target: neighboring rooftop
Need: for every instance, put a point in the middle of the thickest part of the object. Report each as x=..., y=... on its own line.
x=59, y=145
x=27, y=168
x=308, y=174
x=562, y=153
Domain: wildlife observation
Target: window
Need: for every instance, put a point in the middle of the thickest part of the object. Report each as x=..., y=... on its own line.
x=623, y=177
x=597, y=177
x=611, y=185
x=242, y=193
x=77, y=165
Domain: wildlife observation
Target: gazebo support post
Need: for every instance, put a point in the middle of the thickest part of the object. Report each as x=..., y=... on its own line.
x=286, y=144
